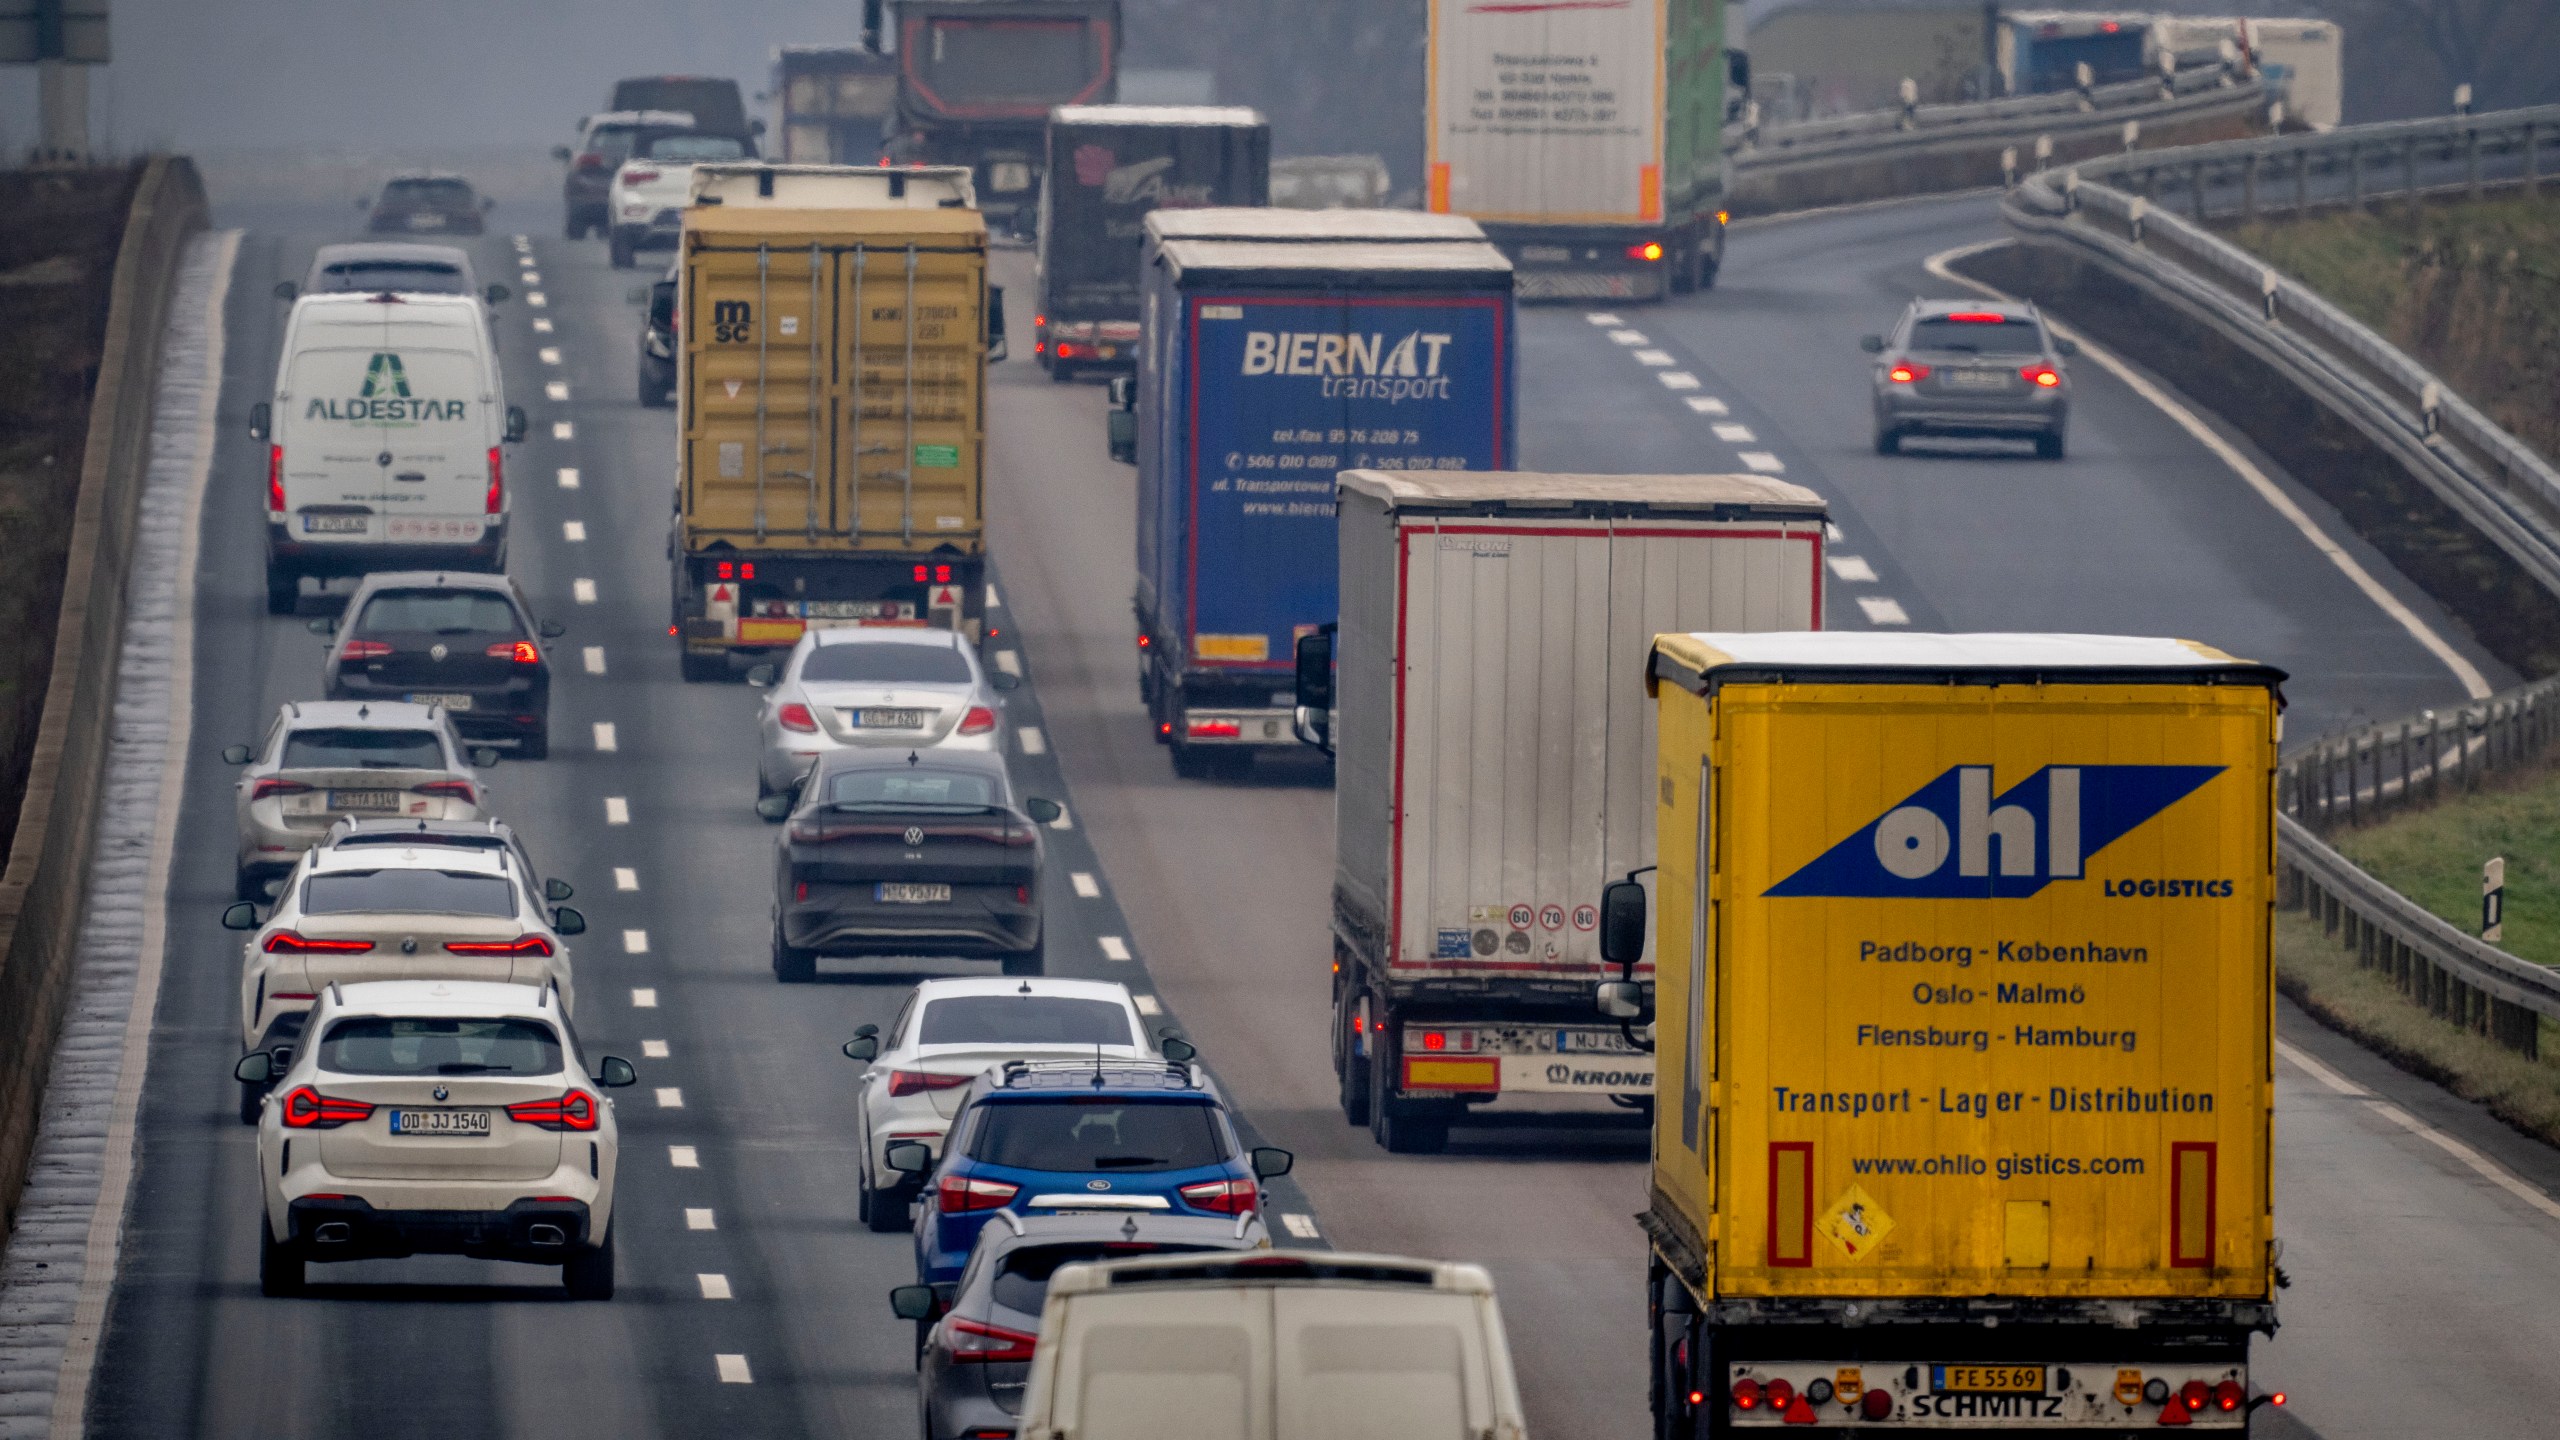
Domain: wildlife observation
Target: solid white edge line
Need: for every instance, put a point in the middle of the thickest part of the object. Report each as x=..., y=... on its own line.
x=2479, y=1164
x=105, y=1246
x=2463, y=670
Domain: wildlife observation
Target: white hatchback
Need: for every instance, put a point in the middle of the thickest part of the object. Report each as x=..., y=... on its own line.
x=430, y=1117
x=952, y=1031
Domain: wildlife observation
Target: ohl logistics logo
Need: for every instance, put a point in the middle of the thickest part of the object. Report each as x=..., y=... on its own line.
x=1953, y=839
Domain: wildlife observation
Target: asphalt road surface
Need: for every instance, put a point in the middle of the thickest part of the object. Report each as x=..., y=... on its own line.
x=2420, y=1277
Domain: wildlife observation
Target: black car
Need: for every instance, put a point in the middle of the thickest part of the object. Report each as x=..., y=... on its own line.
x=976, y=1337
x=425, y=204
x=466, y=642
x=907, y=852
x=658, y=345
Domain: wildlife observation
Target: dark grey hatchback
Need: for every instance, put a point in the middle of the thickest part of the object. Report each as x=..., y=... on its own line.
x=1971, y=368
x=466, y=642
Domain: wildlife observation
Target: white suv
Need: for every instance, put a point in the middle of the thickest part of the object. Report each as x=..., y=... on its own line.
x=325, y=760
x=650, y=191
x=431, y=1117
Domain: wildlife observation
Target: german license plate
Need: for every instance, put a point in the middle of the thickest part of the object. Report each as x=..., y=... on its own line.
x=897, y=892
x=448, y=699
x=336, y=524
x=1978, y=379
x=878, y=717
x=439, y=1122
x=364, y=799
x=1987, y=1379
x=859, y=609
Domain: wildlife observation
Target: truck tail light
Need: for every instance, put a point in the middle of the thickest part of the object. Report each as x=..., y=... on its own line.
x=1876, y=1404
x=978, y=721
x=1904, y=372
x=1215, y=730
x=497, y=480
x=2229, y=1396
x=796, y=716
x=917, y=1082
x=308, y=1109
x=1647, y=250
x=958, y=1195
x=1746, y=1394
x=275, y=479
x=1223, y=1197
x=1781, y=1393
x=576, y=1110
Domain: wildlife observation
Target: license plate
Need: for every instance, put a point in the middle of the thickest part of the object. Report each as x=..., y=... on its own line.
x=1545, y=254
x=439, y=1122
x=1987, y=1379
x=425, y=527
x=364, y=799
x=1594, y=1042
x=859, y=609
x=881, y=718
x=1978, y=379
x=893, y=892
x=336, y=524
x=426, y=222
x=454, y=702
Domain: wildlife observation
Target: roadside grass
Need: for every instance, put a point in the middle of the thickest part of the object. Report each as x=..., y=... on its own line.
x=2434, y=856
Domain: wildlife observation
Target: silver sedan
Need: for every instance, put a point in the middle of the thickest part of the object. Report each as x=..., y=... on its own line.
x=325, y=760
x=863, y=687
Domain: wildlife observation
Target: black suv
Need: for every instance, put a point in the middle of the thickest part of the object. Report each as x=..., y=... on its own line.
x=435, y=637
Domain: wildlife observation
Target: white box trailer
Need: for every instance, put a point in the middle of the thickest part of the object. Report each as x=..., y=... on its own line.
x=1494, y=759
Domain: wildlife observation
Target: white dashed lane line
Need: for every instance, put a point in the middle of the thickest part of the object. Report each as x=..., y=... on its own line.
x=1734, y=434
x=684, y=1157
x=714, y=1287
x=606, y=740
x=531, y=276
x=1853, y=568
x=573, y=531
x=653, y=1049
x=550, y=354
x=1628, y=337
x=670, y=1097
x=1300, y=1227
x=1676, y=379
x=1706, y=405
x=541, y=326
x=1656, y=358
x=700, y=1219
x=1009, y=661
x=1601, y=317
x=644, y=997
x=1832, y=533
x=1883, y=610
x=1033, y=742
x=563, y=430
x=556, y=390
x=617, y=811
x=568, y=477
x=535, y=299
x=635, y=942
x=625, y=878
x=1114, y=948
x=594, y=658
x=583, y=591
x=992, y=602
x=1146, y=1004
x=1087, y=887
x=733, y=1370
x=1764, y=462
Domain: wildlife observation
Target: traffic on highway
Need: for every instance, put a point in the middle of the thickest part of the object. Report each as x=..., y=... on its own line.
x=977, y=763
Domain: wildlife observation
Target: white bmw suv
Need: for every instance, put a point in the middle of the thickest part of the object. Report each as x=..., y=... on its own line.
x=432, y=1117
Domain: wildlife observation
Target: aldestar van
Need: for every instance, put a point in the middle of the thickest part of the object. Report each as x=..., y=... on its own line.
x=385, y=441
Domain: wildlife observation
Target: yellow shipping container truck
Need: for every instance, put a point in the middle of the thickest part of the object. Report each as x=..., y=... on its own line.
x=1962, y=1000
x=834, y=342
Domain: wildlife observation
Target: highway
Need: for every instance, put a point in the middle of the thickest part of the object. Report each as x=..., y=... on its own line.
x=2418, y=1277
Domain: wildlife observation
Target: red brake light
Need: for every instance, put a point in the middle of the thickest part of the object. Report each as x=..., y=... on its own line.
x=576, y=1110
x=958, y=1196
x=523, y=652
x=275, y=478
x=1216, y=729
x=796, y=716
x=1904, y=372
x=2228, y=1396
x=2042, y=375
x=916, y=1082
x=2194, y=1394
x=521, y=945
x=941, y=574
x=451, y=790
x=287, y=942
x=1746, y=1394
x=1782, y=1393
x=1978, y=317
x=976, y=1342
x=978, y=721
x=266, y=788
x=1065, y=350
x=638, y=177
x=1649, y=250
x=308, y=1109
x=497, y=481
x=364, y=649
x=1223, y=1197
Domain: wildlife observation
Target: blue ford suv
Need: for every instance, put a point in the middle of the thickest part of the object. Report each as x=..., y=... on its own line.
x=1106, y=1135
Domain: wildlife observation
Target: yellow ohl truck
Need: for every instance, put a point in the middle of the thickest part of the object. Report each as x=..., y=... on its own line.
x=1964, y=1030
x=833, y=388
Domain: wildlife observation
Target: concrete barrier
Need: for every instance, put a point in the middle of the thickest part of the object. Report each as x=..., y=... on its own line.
x=42, y=889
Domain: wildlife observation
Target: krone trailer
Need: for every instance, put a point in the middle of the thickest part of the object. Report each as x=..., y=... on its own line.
x=1493, y=763
x=1963, y=1006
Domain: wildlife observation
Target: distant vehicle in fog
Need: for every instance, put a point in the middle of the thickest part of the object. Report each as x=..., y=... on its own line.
x=714, y=103
x=837, y=102
x=426, y=202
x=604, y=142
x=372, y=267
x=1329, y=182
x=977, y=79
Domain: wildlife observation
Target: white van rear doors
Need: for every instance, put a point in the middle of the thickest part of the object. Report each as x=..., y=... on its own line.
x=398, y=430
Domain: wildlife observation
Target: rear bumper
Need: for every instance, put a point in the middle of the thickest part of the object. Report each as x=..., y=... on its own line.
x=323, y=559
x=349, y=1228
x=1938, y=416
x=497, y=716
x=851, y=925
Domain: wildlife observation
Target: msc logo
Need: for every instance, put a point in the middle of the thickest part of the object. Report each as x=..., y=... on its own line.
x=385, y=379
x=1954, y=839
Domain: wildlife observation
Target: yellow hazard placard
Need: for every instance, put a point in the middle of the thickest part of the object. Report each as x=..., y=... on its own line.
x=1855, y=1223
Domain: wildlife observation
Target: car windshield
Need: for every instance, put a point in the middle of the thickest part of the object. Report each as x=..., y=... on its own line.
x=414, y=276
x=352, y=748
x=408, y=892
x=452, y=193
x=1023, y=1020
x=887, y=663
x=1022, y=1283
x=382, y=1045
x=437, y=612
x=1989, y=335
x=685, y=149
x=1079, y=1135
x=913, y=788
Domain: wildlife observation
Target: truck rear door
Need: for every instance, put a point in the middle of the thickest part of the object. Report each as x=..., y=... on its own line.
x=911, y=347
x=756, y=323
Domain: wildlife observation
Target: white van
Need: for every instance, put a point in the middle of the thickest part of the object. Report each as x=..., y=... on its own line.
x=384, y=441
x=1272, y=1345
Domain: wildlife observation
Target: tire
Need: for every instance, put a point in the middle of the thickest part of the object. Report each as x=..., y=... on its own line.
x=280, y=1270
x=702, y=669
x=620, y=247
x=535, y=747
x=253, y=1100
x=588, y=1275
x=1188, y=761
x=2049, y=446
x=1888, y=441
x=1349, y=1064
x=884, y=1212
x=791, y=964
x=284, y=591
x=1033, y=961
x=1061, y=374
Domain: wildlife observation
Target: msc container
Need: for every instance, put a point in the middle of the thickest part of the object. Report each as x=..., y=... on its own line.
x=1493, y=759
x=1588, y=139
x=1267, y=368
x=833, y=415
x=1964, y=1010
x=1108, y=167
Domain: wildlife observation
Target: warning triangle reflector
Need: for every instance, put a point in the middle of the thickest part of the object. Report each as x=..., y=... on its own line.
x=720, y=595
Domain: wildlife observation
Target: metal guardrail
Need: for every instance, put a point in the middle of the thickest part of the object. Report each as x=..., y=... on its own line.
x=2362, y=774
x=2101, y=105
x=2111, y=210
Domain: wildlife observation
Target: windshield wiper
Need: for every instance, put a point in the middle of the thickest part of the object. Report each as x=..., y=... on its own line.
x=1123, y=1162
x=470, y=1067
x=925, y=807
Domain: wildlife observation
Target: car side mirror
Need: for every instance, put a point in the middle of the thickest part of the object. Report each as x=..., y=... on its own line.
x=558, y=889
x=1622, y=921
x=1044, y=812
x=497, y=294
x=261, y=419
x=255, y=1068
x=774, y=807
x=1622, y=1000
x=562, y=154
x=325, y=625
x=865, y=1048
x=286, y=290
x=2066, y=347
x=907, y=1157
x=483, y=758
x=1003, y=681
x=1315, y=668
x=915, y=1302
x=1177, y=1049
x=1872, y=344
x=566, y=921
x=762, y=677
x=551, y=629
x=614, y=1072
x=516, y=424
x=1270, y=1162
x=235, y=754
x=240, y=916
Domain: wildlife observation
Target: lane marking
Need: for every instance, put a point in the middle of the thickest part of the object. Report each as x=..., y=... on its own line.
x=1033, y=742
x=644, y=997
x=535, y=299
x=733, y=1370
x=583, y=591
x=541, y=326
x=617, y=811
x=531, y=276
x=2481, y=1165
x=670, y=1097
x=573, y=531
x=594, y=657
x=568, y=477
x=550, y=354
x=1628, y=337
x=635, y=942
x=556, y=390
x=1734, y=434
x=1832, y=533
x=1066, y=818
x=625, y=878
x=1300, y=1227
x=563, y=430
x=1853, y=568
x=1655, y=357
x=1602, y=317
x=605, y=738
x=653, y=1049
x=2473, y=682
x=714, y=1287
x=1706, y=404
x=684, y=1157
x=699, y=1220
x=1009, y=661
x=1146, y=1004
x=1086, y=888
x=1883, y=610
x=1114, y=948
x=1677, y=380
x=992, y=602
x=1764, y=462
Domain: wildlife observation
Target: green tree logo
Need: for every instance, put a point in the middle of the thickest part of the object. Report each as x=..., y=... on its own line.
x=385, y=377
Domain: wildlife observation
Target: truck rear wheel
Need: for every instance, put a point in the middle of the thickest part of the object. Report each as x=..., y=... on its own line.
x=284, y=591
x=1394, y=1123
x=1349, y=1065
x=1675, y=1367
x=791, y=964
x=703, y=669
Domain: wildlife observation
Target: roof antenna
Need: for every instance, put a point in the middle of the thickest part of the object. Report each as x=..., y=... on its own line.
x=1129, y=1228
x=911, y=757
x=364, y=712
x=1026, y=988
x=1097, y=1065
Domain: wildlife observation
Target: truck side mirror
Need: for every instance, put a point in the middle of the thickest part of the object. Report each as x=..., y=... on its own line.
x=261, y=420
x=1123, y=390
x=516, y=424
x=1312, y=719
x=1623, y=1000
x=1622, y=920
x=995, y=323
